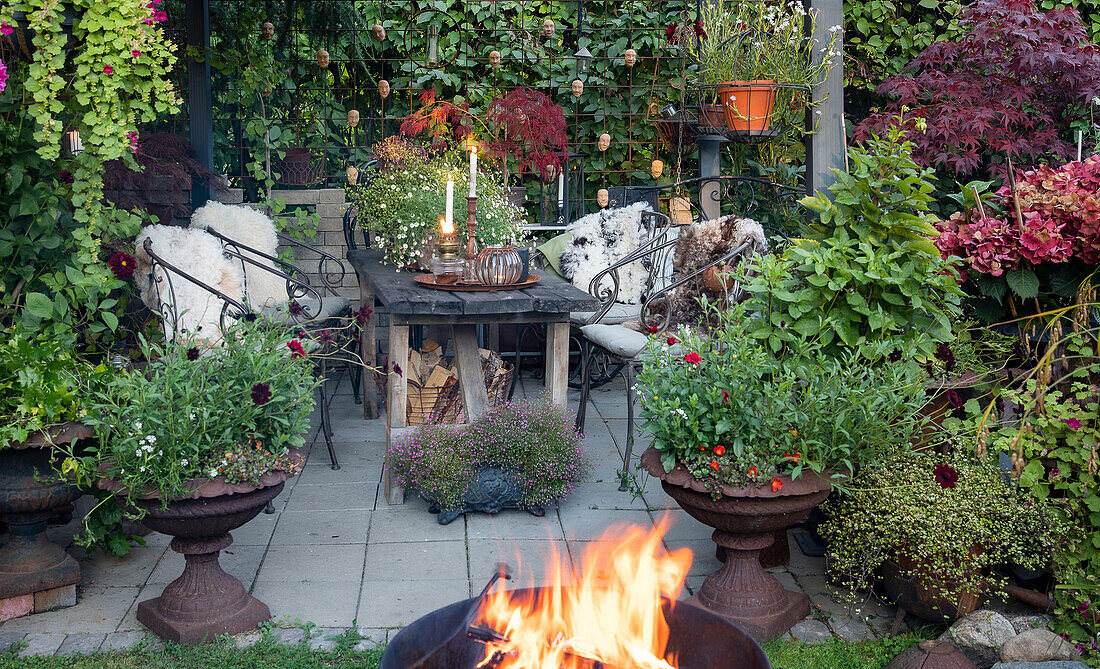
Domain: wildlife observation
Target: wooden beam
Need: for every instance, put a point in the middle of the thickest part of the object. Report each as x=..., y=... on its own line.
x=557, y=361
x=471, y=378
x=397, y=391
x=368, y=346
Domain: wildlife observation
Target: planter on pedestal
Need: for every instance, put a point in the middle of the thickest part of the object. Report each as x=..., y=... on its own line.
x=30, y=562
x=205, y=601
x=745, y=521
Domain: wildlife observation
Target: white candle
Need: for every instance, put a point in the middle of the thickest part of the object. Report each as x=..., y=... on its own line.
x=1079, y=136
x=561, y=189
x=473, y=171
x=450, y=201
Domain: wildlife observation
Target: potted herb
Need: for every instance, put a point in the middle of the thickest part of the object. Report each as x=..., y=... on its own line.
x=748, y=441
x=525, y=454
x=755, y=63
x=402, y=202
x=196, y=445
x=40, y=409
x=933, y=529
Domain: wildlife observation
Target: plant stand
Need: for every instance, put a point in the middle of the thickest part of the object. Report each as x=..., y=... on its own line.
x=745, y=522
x=35, y=573
x=204, y=602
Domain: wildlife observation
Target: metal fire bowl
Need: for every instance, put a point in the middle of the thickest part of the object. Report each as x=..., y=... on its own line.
x=699, y=639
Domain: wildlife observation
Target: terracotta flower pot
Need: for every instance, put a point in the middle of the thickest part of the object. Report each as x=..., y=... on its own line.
x=205, y=601
x=30, y=562
x=907, y=584
x=748, y=105
x=745, y=521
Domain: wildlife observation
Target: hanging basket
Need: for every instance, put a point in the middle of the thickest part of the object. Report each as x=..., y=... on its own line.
x=751, y=111
x=747, y=105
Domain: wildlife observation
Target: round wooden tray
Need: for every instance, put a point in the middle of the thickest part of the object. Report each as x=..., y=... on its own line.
x=428, y=281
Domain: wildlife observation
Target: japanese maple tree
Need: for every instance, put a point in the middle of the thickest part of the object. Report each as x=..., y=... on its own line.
x=1012, y=83
x=529, y=128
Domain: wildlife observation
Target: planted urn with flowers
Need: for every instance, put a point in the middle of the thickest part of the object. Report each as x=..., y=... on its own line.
x=195, y=445
x=748, y=441
x=933, y=530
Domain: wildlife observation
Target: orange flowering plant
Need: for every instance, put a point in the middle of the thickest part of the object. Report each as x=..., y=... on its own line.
x=232, y=411
x=733, y=411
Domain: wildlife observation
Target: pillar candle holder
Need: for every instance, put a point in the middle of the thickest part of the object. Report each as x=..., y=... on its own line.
x=471, y=242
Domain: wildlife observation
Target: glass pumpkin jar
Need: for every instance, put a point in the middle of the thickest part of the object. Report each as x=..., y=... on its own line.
x=498, y=266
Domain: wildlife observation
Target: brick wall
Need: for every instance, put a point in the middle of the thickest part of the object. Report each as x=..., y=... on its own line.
x=329, y=205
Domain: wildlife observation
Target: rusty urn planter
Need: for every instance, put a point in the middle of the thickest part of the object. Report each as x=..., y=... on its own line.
x=30, y=562
x=909, y=586
x=205, y=601
x=745, y=521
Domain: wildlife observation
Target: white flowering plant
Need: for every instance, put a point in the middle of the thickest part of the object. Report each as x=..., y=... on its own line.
x=402, y=200
x=231, y=411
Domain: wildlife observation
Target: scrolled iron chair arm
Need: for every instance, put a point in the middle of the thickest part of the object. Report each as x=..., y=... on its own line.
x=168, y=307
x=331, y=278
x=608, y=296
x=663, y=293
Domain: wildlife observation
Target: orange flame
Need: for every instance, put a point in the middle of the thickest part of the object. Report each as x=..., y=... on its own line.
x=445, y=226
x=612, y=615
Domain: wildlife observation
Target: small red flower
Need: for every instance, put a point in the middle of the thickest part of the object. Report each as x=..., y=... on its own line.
x=193, y=354
x=714, y=465
x=954, y=399
x=653, y=329
x=6, y=29
x=752, y=471
x=672, y=341
x=296, y=350
x=719, y=450
x=325, y=337
x=693, y=358
x=777, y=485
x=1072, y=423
x=946, y=476
x=295, y=308
x=136, y=53
x=700, y=31
x=397, y=369
x=122, y=265
x=363, y=315
x=107, y=69
x=725, y=397
x=670, y=31
x=793, y=456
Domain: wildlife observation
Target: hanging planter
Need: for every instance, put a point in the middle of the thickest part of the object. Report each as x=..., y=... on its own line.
x=747, y=105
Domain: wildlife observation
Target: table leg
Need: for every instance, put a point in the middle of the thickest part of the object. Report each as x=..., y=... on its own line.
x=557, y=361
x=368, y=347
x=397, y=391
x=471, y=377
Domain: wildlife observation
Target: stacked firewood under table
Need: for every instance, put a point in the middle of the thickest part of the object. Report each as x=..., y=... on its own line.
x=433, y=390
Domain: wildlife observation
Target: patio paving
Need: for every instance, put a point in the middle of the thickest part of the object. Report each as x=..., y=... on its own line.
x=336, y=555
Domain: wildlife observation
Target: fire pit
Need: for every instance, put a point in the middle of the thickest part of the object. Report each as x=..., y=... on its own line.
x=622, y=612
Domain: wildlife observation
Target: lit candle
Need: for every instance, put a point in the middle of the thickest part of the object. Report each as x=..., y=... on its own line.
x=473, y=171
x=451, y=203
x=561, y=189
x=446, y=226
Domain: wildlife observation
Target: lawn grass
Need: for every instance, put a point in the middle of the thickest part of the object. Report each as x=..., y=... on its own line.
x=268, y=655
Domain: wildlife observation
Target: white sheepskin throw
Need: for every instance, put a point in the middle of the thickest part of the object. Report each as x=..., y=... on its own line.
x=200, y=256
x=251, y=228
x=599, y=241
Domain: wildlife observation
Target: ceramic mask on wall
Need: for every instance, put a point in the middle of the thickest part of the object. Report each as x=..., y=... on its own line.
x=578, y=88
x=384, y=89
x=630, y=56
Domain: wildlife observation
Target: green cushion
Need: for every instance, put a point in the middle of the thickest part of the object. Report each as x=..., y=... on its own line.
x=552, y=250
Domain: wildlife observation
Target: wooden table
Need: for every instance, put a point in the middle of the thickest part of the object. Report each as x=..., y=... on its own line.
x=549, y=301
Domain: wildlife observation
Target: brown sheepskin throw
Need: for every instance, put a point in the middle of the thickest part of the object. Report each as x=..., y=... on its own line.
x=700, y=244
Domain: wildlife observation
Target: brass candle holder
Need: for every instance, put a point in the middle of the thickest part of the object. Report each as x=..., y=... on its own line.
x=447, y=266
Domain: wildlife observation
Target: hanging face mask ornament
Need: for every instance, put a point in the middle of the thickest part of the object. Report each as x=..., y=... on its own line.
x=604, y=142
x=353, y=175
x=384, y=89
x=548, y=28
x=353, y=118
x=578, y=88
x=378, y=31
x=630, y=57
x=268, y=31
x=322, y=59
x=657, y=168
x=601, y=197
x=494, y=59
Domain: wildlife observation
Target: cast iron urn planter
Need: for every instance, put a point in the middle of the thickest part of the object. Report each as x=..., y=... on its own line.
x=744, y=522
x=30, y=495
x=205, y=601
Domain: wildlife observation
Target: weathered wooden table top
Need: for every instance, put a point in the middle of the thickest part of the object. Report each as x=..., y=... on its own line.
x=401, y=296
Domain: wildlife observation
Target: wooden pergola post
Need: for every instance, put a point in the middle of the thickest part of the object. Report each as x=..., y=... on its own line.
x=828, y=143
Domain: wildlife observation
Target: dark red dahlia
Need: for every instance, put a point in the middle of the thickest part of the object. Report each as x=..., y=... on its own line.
x=261, y=394
x=122, y=265
x=946, y=476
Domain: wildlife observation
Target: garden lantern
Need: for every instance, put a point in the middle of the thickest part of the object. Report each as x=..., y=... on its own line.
x=584, y=57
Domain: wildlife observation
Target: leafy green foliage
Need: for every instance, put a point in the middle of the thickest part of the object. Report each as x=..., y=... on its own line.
x=954, y=518
x=867, y=273
x=190, y=415
x=882, y=36
x=39, y=377
x=732, y=411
